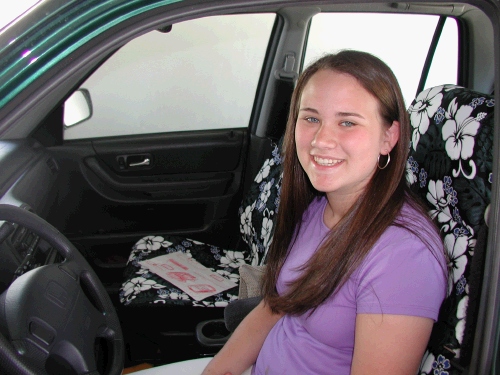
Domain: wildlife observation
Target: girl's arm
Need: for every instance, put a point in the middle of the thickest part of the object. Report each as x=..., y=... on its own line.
x=389, y=344
x=243, y=347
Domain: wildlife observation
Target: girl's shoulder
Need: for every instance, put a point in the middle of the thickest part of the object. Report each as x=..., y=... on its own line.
x=414, y=219
x=412, y=235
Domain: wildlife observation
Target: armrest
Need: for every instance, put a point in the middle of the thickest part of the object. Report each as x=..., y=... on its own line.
x=236, y=311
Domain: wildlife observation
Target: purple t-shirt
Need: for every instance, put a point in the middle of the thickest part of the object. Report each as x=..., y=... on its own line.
x=400, y=275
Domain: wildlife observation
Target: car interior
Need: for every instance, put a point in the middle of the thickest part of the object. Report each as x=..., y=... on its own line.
x=176, y=147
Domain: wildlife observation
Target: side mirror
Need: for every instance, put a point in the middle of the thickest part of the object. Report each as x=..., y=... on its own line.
x=77, y=108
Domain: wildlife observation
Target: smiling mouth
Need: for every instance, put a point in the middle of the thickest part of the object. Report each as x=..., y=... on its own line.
x=326, y=162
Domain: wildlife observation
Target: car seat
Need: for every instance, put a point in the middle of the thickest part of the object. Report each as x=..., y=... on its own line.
x=450, y=168
x=256, y=214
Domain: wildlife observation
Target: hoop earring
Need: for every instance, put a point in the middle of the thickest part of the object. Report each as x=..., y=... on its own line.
x=386, y=164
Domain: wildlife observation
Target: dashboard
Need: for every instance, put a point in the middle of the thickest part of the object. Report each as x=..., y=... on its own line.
x=27, y=180
x=21, y=251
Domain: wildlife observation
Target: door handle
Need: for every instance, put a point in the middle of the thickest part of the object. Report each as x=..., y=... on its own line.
x=143, y=163
x=140, y=161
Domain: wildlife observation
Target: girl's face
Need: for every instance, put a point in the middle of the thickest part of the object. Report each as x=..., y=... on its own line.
x=340, y=134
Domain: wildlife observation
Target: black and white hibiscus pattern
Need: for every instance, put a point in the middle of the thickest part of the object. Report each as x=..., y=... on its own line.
x=450, y=167
x=256, y=225
x=422, y=110
x=257, y=216
x=144, y=287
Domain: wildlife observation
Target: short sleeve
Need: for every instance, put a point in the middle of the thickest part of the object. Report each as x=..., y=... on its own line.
x=402, y=276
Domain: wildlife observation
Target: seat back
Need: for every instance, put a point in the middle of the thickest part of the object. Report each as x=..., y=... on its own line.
x=260, y=206
x=450, y=167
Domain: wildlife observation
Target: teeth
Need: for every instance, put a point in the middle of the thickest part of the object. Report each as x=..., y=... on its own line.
x=326, y=162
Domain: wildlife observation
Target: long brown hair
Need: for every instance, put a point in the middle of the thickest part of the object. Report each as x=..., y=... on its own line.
x=352, y=238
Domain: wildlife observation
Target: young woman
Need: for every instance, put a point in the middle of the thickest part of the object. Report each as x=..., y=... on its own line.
x=356, y=287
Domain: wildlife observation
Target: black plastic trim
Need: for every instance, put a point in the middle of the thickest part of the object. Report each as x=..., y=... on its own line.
x=266, y=72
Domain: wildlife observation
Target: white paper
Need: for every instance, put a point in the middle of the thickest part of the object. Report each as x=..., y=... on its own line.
x=188, y=275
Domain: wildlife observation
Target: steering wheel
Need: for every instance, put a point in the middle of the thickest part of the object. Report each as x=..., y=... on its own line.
x=54, y=318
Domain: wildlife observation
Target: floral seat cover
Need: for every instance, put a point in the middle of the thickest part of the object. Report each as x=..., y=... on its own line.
x=257, y=212
x=450, y=167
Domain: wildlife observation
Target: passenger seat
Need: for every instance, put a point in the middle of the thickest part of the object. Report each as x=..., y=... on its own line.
x=256, y=215
x=450, y=168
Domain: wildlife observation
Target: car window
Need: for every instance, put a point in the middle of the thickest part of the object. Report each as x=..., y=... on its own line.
x=202, y=74
x=444, y=66
x=401, y=40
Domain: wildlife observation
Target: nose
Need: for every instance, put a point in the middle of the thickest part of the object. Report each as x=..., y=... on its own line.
x=325, y=137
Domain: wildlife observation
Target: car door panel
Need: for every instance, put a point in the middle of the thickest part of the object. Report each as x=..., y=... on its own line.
x=146, y=187
x=192, y=180
x=191, y=165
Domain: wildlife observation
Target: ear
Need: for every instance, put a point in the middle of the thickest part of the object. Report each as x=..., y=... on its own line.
x=391, y=137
